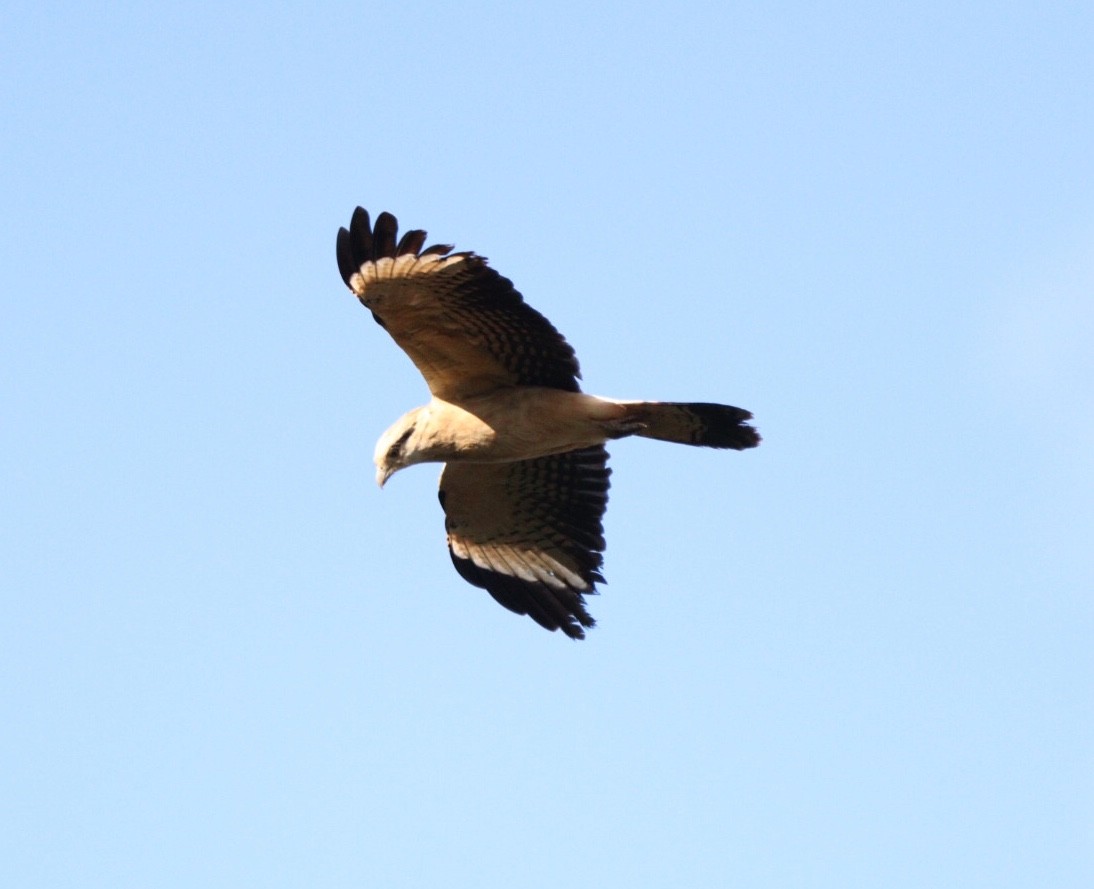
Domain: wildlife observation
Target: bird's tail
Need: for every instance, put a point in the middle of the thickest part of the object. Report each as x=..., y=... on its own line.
x=690, y=423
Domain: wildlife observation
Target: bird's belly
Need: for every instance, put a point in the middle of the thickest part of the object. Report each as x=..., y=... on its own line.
x=522, y=423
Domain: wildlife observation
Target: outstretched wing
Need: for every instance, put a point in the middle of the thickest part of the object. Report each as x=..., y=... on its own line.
x=465, y=326
x=530, y=532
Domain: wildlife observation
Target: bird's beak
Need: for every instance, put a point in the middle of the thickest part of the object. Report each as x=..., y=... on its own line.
x=382, y=475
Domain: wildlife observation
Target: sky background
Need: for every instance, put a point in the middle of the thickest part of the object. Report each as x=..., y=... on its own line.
x=858, y=656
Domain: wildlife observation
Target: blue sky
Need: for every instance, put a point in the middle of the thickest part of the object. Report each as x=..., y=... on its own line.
x=858, y=656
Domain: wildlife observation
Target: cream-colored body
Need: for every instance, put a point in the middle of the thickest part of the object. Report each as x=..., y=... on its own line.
x=500, y=427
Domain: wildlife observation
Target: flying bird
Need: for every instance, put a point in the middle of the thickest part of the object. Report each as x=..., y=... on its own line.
x=525, y=479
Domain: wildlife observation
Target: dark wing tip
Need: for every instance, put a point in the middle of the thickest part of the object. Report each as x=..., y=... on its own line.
x=438, y=250
x=383, y=235
x=354, y=245
x=411, y=242
x=347, y=267
x=551, y=608
x=364, y=242
x=360, y=230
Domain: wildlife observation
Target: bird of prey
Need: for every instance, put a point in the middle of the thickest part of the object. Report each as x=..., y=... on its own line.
x=525, y=479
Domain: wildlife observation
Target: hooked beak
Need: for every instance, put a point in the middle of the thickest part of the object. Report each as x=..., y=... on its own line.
x=382, y=475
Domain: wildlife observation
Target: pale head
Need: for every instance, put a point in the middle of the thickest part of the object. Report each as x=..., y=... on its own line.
x=395, y=449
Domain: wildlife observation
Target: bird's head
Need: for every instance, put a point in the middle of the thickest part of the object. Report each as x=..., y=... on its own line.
x=395, y=449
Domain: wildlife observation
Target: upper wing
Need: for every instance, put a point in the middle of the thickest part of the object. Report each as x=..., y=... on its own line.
x=464, y=325
x=530, y=532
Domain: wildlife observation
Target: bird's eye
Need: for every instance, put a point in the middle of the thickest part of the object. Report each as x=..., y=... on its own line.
x=397, y=448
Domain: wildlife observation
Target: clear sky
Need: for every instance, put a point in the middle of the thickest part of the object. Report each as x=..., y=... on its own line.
x=859, y=656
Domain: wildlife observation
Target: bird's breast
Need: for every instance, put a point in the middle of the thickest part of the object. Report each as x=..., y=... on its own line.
x=518, y=423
